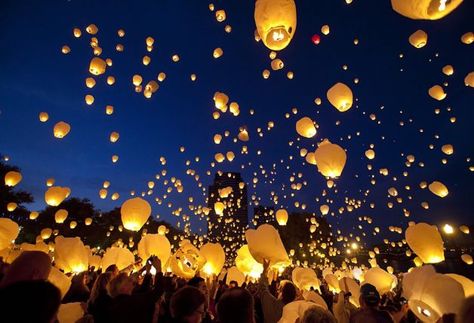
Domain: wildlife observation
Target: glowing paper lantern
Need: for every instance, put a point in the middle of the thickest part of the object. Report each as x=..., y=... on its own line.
x=9, y=231
x=60, y=216
x=135, y=212
x=447, y=149
x=114, y=137
x=294, y=311
x=382, y=280
x=305, y=278
x=265, y=243
x=277, y=64
x=70, y=255
x=418, y=39
x=12, y=178
x=43, y=116
x=218, y=52
x=467, y=259
x=233, y=274
x=437, y=92
x=186, y=261
x=46, y=233
x=56, y=195
x=34, y=215
x=370, y=154
x=438, y=188
x=469, y=79
x=281, y=216
x=246, y=264
x=154, y=245
x=468, y=38
x=305, y=127
x=426, y=242
x=315, y=39
x=70, y=312
x=330, y=159
x=448, y=70
x=349, y=285
x=324, y=209
x=467, y=284
x=97, y=66
x=88, y=221
x=425, y=9
x=60, y=280
x=219, y=208
x=61, y=129
x=121, y=257
x=276, y=22
x=340, y=96
x=215, y=258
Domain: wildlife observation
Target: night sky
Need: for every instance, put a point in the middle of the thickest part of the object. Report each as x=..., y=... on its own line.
x=35, y=76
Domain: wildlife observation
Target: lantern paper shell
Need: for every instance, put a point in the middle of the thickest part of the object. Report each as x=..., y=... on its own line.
x=9, y=231
x=46, y=233
x=438, y=189
x=281, y=216
x=382, y=280
x=437, y=92
x=265, y=243
x=215, y=258
x=276, y=22
x=60, y=280
x=467, y=284
x=340, y=96
x=60, y=216
x=135, y=212
x=425, y=240
x=70, y=255
x=39, y=246
x=315, y=298
x=294, y=311
x=233, y=274
x=305, y=278
x=418, y=39
x=97, y=66
x=305, y=127
x=246, y=264
x=349, y=285
x=12, y=178
x=154, y=245
x=121, y=257
x=424, y=9
x=186, y=261
x=56, y=195
x=330, y=159
x=70, y=312
x=61, y=129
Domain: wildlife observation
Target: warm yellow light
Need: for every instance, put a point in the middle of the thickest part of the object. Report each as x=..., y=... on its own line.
x=448, y=229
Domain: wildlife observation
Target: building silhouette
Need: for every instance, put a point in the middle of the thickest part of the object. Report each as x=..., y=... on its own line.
x=263, y=215
x=228, y=228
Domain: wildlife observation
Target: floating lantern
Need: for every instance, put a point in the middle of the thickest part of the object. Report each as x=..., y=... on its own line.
x=426, y=242
x=135, y=212
x=305, y=127
x=330, y=159
x=12, y=178
x=425, y=9
x=340, y=96
x=281, y=216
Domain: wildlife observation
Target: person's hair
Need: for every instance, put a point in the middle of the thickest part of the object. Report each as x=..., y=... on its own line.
x=185, y=302
x=466, y=313
x=115, y=285
x=100, y=286
x=29, y=265
x=235, y=306
x=111, y=268
x=317, y=314
x=195, y=281
x=288, y=293
x=30, y=301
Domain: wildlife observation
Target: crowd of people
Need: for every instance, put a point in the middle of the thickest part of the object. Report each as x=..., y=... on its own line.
x=148, y=296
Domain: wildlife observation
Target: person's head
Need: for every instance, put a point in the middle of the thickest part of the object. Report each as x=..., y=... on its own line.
x=200, y=284
x=30, y=301
x=287, y=293
x=113, y=269
x=80, y=279
x=120, y=285
x=100, y=286
x=369, y=296
x=466, y=313
x=30, y=265
x=187, y=305
x=236, y=306
x=233, y=284
x=317, y=314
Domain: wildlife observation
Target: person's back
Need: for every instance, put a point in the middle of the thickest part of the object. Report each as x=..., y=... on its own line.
x=30, y=265
x=369, y=313
x=236, y=306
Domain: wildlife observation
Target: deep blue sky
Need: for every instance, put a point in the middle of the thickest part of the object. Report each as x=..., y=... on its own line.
x=35, y=76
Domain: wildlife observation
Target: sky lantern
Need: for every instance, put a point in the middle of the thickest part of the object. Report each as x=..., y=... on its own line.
x=61, y=129
x=9, y=231
x=246, y=264
x=425, y=9
x=97, y=66
x=330, y=159
x=92, y=29
x=88, y=221
x=305, y=278
x=220, y=101
x=12, y=178
x=448, y=70
x=60, y=216
x=467, y=258
x=437, y=92
x=43, y=116
x=467, y=38
x=370, y=154
x=281, y=216
x=60, y=280
x=324, y=209
x=56, y=194
x=218, y=52
x=243, y=135
x=114, y=137
x=76, y=32
x=46, y=233
x=89, y=99
x=121, y=257
x=276, y=22
x=464, y=229
x=438, y=188
x=381, y=279
x=233, y=274
x=215, y=258
x=447, y=149
x=162, y=230
x=135, y=212
x=187, y=260
x=265, y=243
x=34, y=215
x=277, y=64
x=469, y=79
x=103, y=193
x=349, y=285
x=325, y=30
x=418, y=39
x=305, y=127
x=70, y=255
x=220, y=15
x=316, y=39
x=219, y=157
x=425, y=240
x=154, y=245
x=72, y=225
x=219, y=208
x=340, y=96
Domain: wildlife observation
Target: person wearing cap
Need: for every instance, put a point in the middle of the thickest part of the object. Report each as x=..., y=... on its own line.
x=369, y=307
